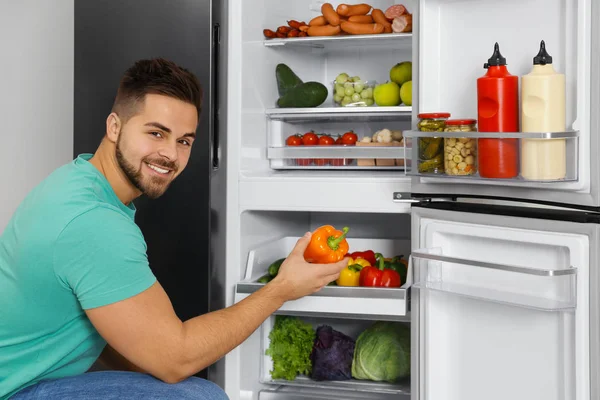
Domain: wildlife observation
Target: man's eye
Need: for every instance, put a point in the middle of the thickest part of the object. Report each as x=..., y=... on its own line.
x=185, y=142
x=157, y=134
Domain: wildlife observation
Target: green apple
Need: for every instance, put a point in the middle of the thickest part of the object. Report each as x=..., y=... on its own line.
x=387, y=94
x=406, y=93
x=401, y=72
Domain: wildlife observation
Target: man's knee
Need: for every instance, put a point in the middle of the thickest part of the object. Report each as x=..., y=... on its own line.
x=201, y=388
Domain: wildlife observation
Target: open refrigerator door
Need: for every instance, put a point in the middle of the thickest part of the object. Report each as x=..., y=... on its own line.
x=552, y=163
x=503, y=306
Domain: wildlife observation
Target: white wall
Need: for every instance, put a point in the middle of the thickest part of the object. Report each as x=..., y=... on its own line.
x=36, y=95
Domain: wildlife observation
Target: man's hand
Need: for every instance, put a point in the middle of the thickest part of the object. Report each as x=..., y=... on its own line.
x=297, y=278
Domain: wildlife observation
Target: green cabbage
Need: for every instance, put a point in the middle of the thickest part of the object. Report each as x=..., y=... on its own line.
x=382, y=353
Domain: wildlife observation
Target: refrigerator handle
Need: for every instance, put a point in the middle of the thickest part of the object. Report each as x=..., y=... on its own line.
x=216, y=42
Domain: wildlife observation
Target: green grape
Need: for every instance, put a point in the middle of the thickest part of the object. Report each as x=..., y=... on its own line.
x=369, y=102
x=346, y=100
x=364, y=94
x=337, y=98
x=355, y=78
x=342, y=78
x=356, y=97
x=349, y=85
x=358, y=87
x=369, y=93
x=340, y=91
x=349, y=91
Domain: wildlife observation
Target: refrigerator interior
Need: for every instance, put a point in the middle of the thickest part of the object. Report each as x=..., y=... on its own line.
x=500, y=297
x=265, y=228
x=320, y=62
x=455, y=39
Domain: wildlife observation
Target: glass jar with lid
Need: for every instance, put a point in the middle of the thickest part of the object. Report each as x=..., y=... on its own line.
x=431, y=149
x=460, y=153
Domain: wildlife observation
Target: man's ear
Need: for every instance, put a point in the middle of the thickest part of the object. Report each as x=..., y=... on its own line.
x=113, y=127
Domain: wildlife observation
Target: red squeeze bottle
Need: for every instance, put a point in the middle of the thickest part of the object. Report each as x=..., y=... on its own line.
x=498, y=111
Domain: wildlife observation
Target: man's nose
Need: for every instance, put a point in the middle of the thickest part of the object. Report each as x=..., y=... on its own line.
x=169, y=150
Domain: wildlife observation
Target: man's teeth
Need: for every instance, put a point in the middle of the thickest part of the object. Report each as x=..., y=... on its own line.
x=157, y=169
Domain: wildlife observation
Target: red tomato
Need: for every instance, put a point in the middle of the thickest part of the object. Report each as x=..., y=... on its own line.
x=326, y=140
x=338, y=140
x=349, y=138
x=303, y=162
x=310, y=139
x=294, y=140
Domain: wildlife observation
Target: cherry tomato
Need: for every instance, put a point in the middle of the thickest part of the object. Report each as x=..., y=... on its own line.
x=294, y=140
x=303, y=162
x=349, y=138
x=326, y=140
x=338, y=140
x=310, y=139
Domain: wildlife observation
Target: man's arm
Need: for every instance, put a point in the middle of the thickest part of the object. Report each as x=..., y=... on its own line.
x=146, y=330
x=111, y=359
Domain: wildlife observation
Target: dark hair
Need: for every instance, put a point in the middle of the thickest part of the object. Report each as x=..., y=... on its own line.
x=156, y=76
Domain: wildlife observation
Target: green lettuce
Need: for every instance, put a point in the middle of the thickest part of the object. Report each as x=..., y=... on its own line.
x=290, y=348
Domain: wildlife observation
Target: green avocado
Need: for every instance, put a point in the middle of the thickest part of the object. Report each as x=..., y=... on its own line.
x=286, y=79
x=309, y=94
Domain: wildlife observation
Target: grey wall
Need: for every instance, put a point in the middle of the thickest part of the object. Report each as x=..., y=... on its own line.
x=36, y=96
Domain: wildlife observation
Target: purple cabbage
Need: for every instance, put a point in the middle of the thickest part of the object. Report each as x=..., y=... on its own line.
x=332, y=355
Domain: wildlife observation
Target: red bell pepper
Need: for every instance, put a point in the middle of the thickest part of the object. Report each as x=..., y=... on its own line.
x=368, y=255
x=378, y=276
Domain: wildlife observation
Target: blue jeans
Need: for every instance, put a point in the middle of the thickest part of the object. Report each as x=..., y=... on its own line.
x=120, y=385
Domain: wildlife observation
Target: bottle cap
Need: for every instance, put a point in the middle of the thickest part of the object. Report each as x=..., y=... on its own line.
x=496, y=59
x=543, y=57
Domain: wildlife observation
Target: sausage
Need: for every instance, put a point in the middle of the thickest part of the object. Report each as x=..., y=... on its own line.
x=348, y=10
x=395, y=11
x=402, y=24
x=281, y=35
x=284, y=29
x=293, y=33
x=295, y=24
x=354, y=28
x=379, y=17
x=362, y=19
x=330, y=15
x=318, y=21
x=327, y=30
x=269, y=33
x=302, y=34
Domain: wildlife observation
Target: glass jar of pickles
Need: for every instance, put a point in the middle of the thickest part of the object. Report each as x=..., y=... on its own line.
x=460, y=153
x=431, y=149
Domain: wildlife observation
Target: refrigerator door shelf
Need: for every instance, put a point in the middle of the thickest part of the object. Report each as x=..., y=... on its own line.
x=347, y=302
x=540, y=289
x=390, y=40
x=449, y=166
x=355, y=114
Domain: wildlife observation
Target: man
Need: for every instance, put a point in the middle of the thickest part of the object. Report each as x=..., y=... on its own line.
x=75, y=283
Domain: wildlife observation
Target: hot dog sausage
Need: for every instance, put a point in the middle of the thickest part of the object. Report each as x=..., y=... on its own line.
x=361, y=19
x=348, y=10
x=354, y=28
x=318, y=21
x=330, y=15
x=379, y=17
x=327, y=30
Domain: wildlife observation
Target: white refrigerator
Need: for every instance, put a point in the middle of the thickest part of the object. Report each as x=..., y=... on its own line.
x=502, y=291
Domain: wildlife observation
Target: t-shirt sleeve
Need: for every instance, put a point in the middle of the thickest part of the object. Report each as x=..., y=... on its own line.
x=101, y=256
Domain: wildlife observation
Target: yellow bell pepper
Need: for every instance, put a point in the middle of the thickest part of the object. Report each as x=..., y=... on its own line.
x=351, y=274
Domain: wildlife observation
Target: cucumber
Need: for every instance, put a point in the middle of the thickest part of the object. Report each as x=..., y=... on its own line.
x=286, y=79
x=308, y=94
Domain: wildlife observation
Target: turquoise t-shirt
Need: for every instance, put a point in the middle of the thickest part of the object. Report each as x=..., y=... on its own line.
x=71, y=245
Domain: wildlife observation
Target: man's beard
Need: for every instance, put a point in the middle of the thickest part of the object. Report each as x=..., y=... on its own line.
x=153, y=187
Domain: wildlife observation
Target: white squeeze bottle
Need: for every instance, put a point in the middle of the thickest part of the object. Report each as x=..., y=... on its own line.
x=543, y=110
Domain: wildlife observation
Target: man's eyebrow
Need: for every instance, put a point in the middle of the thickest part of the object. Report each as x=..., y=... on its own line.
x=159, y=126
x=191, y=134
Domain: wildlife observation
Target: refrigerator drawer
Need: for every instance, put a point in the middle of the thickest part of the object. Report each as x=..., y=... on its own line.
x=350, y=302
x=277, y=394
x=540, y=289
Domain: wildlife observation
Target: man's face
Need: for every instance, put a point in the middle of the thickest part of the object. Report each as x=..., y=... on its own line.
x=154, y=145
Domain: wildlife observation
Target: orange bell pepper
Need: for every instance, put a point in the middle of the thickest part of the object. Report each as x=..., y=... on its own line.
x=327, y=245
